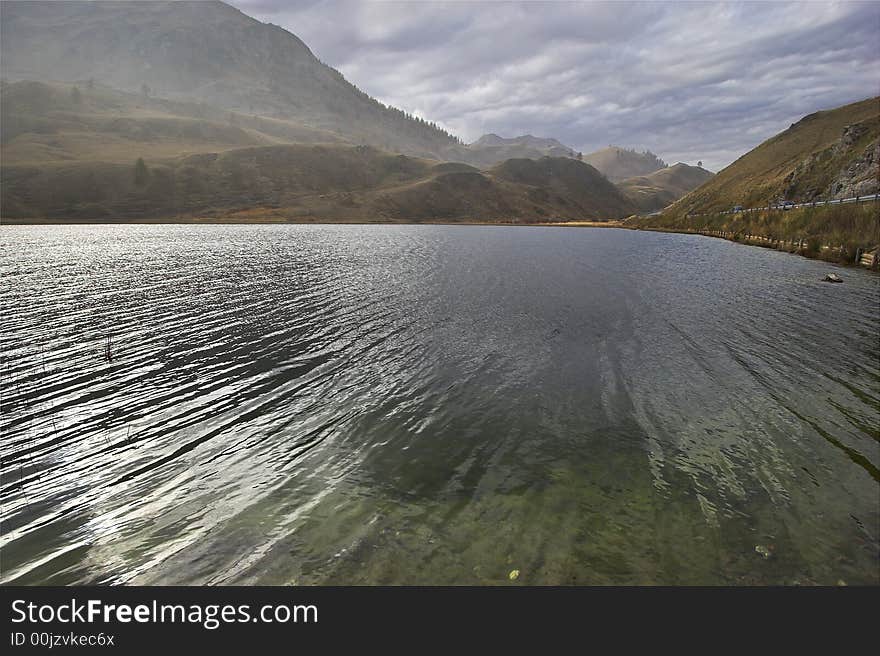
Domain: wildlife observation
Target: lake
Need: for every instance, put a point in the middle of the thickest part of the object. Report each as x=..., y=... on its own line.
x=291, y=404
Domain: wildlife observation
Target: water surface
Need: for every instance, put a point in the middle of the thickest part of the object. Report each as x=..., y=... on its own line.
x=433, y=404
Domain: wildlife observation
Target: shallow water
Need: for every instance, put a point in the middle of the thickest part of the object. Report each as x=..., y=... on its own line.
x=433, y=404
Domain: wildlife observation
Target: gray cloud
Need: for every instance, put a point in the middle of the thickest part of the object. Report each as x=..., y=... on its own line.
x=687, y=80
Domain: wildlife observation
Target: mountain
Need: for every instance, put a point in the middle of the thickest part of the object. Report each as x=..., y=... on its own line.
x=661, y=188
x=524, y=141
x=43, y=123
x=569, y=183
x=828, y=154
x=69, y=152
x=308, y=183
x=620, y=163
x=205, y=52
x=180, y=111
x=490, y=149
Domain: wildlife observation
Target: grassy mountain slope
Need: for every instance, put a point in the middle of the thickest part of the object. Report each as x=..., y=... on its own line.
x=64, y=122
x=301, y=182
x=620, y=163
x=661, y=188
x=201, y=52
x=568, y=183
x=828, y=154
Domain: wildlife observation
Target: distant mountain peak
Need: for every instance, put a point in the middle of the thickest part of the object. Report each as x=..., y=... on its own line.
x=656, y=190
x=491, y=149
x=619, y=163
x=493, y=139
x=490, y=139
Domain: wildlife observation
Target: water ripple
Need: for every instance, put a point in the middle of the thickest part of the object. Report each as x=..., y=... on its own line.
x=418, y=404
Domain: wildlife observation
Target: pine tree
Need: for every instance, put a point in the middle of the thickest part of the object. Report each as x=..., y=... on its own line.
x=141, y=172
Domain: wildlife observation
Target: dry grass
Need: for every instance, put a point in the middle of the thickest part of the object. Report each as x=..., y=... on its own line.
x=831, y=232
x=759, y=176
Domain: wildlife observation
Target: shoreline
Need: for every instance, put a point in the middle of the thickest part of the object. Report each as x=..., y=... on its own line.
x=767, y=245
x=611, y=223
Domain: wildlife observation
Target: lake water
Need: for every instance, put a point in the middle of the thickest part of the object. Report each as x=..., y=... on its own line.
x=433, y=404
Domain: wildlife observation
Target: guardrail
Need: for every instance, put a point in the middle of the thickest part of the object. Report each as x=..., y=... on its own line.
x=870, y=259
x=865, y=258
x=817, y=203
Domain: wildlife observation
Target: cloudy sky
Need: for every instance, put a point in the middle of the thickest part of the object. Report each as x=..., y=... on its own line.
x=689, y=81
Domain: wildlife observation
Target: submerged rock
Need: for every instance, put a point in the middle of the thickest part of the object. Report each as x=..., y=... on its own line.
x=832, y=277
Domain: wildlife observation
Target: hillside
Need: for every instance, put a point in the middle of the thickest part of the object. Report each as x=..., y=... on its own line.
x=568, y=183
x=69, y=153
x=202, y=52
x=229, y=117
x=64, y=122
x=828, y=154
x=620, y=163
x=307, y=183
x=661, y=188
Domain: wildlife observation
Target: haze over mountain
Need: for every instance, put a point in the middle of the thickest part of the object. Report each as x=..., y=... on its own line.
x=490, y=149
x=68, y=153
x=621, y=163
x=653, y=189
x=93, y=88
x=201, y=51
x=525, y=141
x=309, y=183
x=691, y=81
x=157, y=110
x=60, y=123
x=658, y=189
